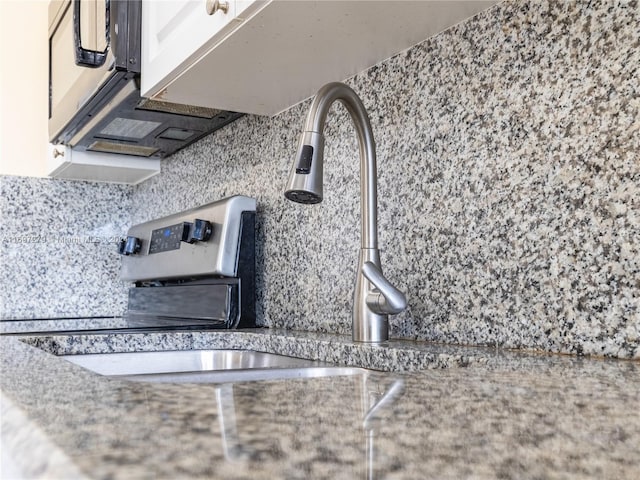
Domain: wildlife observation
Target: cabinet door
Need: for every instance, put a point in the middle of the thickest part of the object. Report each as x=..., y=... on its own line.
x=69, y=164
x=175, y=33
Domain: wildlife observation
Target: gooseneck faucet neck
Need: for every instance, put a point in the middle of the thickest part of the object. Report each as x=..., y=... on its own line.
x=316, y=119
x=374, y=297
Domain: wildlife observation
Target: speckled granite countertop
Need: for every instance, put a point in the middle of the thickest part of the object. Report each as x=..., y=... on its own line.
x=506, y=415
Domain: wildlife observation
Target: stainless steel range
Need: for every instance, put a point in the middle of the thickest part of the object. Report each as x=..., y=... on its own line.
x=191, y=270
x=194, y=268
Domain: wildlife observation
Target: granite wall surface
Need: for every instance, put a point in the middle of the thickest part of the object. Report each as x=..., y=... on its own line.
x=57, y=248
x=508, y=163
x=508, y=186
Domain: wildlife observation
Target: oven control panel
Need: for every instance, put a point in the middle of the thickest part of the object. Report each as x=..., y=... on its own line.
x=199, y=242
x=166, y=238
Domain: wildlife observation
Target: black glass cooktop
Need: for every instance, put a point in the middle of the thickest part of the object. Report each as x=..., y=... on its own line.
x=101, y=325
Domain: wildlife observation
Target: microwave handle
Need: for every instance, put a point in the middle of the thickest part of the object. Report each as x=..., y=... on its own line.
x=85, y=57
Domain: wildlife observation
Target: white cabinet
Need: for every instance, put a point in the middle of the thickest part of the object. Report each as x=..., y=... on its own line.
x=271, y=55
x=69, y=164
x=175, y=33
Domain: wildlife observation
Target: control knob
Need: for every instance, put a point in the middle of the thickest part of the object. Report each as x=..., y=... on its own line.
x=129, y=246
x=198, y=231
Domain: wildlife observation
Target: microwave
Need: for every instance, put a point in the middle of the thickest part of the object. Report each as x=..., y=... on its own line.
x=94, y=85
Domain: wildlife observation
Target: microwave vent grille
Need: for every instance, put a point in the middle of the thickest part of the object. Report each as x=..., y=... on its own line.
x=111, y=147
x=168, y=107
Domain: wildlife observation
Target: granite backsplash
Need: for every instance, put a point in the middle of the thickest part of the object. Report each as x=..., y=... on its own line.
x=58, y=248
x=509, y=176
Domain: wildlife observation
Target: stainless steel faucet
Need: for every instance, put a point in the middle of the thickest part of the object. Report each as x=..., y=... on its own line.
x=375, y=298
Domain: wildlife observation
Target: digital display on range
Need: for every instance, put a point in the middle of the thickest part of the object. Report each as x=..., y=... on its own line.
x=166, y=238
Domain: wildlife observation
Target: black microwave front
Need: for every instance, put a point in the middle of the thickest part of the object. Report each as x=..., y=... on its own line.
x=94, y=85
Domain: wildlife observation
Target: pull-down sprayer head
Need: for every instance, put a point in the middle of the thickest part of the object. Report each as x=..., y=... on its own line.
x=305, y=179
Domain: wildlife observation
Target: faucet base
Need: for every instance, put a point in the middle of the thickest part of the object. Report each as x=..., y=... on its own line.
x=375, y=331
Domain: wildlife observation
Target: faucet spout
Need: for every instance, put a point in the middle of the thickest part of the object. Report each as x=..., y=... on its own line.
x=311, y=152
x=372, y=302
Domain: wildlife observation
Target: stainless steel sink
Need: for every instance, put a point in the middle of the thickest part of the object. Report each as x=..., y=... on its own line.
x=206, y=366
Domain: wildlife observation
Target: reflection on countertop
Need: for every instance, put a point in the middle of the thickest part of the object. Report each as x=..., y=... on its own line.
x=11, y=326
x=117, y=324
x=509, y=416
